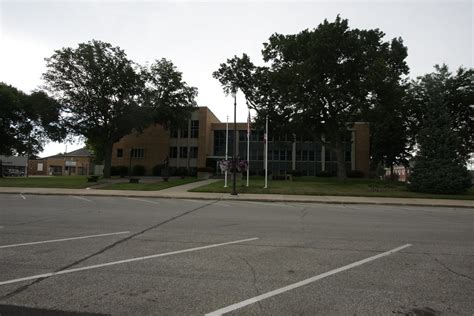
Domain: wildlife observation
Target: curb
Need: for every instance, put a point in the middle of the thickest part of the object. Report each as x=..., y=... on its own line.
x=227, y=197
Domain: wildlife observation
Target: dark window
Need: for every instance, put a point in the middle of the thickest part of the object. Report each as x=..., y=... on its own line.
x=282, y=155
x=348, y=156
x=328, y=156
x=173, y=132
x=194, y=129
x=119, y=153
x=184, y=132
x=173, y=152
x=305, y=155
x=193, y=152
x=311, y=155
x=137, y=153
x=276, y=155
x=219, y=142
x=289, y=155
x=242, y=136
x=183, y=152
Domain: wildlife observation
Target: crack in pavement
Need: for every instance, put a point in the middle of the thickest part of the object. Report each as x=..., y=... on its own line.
x=451, y=270
x=254, y=281
x=25, y=287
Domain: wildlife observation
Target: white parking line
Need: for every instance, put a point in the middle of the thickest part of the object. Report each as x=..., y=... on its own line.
x=45, y=275
x=22, y=196
x=258, y=298
x=146, y=201
x=81, y=198
x=63, y=239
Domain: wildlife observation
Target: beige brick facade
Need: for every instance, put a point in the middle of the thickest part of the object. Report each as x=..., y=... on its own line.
x=155, y=145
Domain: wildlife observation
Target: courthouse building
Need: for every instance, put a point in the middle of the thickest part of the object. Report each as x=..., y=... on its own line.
x=202, y=143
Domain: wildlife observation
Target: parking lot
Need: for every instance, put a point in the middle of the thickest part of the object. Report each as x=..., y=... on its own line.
x=64, y=255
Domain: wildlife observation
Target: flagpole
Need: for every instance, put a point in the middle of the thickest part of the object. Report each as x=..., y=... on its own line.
x=248, y=148
x=226, y=147
x=266, y=153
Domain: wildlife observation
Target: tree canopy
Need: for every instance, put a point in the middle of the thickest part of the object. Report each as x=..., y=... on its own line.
x=106, y=96
x=456, y=92
x=27, y=122
x=319, y=81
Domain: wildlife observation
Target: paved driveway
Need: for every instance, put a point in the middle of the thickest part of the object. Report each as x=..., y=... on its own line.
x=114, y=255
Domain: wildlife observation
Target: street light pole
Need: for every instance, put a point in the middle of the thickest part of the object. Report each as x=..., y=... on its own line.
x=234, y=153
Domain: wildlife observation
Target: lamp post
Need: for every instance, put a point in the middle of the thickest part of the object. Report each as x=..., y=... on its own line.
x=234, y=152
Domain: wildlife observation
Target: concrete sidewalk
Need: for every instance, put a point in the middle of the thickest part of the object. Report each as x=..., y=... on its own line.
x=181, y=192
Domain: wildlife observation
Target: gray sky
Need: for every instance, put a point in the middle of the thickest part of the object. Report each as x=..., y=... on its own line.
x=198, y=36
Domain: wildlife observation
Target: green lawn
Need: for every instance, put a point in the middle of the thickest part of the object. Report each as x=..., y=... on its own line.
x=328, y=186
x=69, y=182
x=149, y=186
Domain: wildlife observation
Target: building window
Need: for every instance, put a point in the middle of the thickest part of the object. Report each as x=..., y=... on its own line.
x=219, y=142
x=173, y=152
x=193, y=152
x=183, y=152
x=311, y=155
x=119, y=153
x=242, y=136
x=184, y=132
x=137, y=153
x=305, y=156
x=194, y=129
x=173, y=132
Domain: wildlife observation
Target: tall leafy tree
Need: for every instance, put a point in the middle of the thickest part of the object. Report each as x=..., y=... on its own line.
x=100, y=89
x=456, y=92
x=319, y=81
x=106, y=96
x=27, y=122
x=443, y=127
x=390, y=143
x=438, y=166
x=170, y=99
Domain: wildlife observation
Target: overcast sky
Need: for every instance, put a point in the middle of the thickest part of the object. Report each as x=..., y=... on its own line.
x=198, y=36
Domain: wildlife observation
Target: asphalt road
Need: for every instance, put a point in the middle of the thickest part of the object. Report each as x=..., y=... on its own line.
x=183, y=257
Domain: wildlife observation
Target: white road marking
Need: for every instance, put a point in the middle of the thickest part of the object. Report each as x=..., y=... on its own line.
x=63, y=239
x=81, y=198
x=45, y=275
x=22, y=196
x=146, y=201
x=258, y=298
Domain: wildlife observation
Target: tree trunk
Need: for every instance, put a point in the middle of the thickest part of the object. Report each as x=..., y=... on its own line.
x=392, y=177
x=1, y=168
x=108, y=159
x=341, y=161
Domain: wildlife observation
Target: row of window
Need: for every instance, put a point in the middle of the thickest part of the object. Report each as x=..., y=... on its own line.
x=258, y=135
x=134, y=153
x=185, y=132
x=183, y=152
